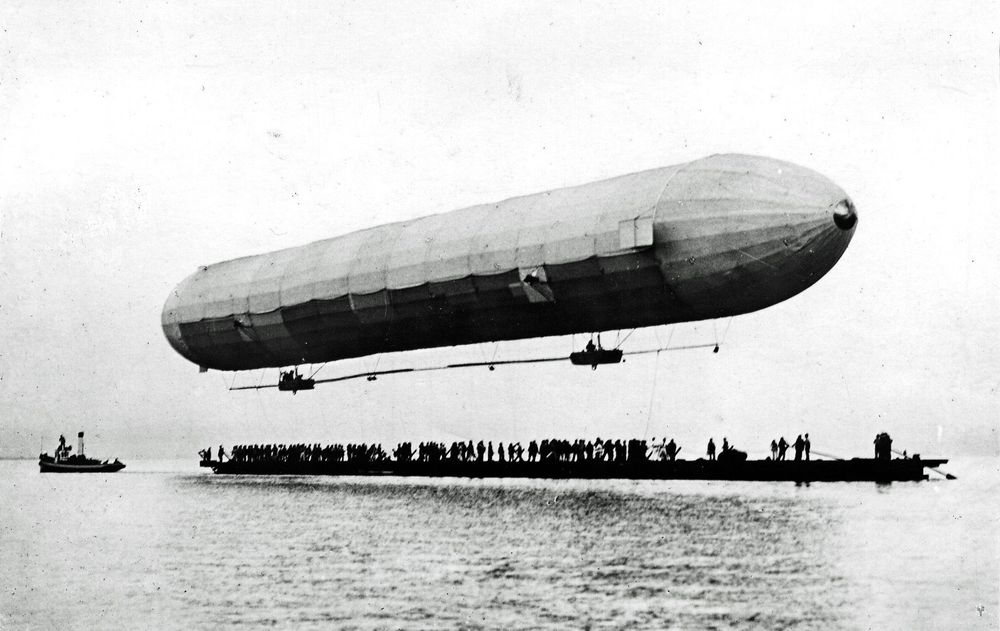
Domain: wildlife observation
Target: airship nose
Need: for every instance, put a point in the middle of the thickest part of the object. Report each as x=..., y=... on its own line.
x=845, y=215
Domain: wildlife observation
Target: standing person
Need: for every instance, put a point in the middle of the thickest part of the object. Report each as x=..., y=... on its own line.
x=883, y=447
x=799, y=445
x=222, y=453
x=711, y=449
x=774, y=449
x=886, y=446
x=782, y=448
x=489, y=452
x=725, y=444
x=671, y=450
x=807, y=446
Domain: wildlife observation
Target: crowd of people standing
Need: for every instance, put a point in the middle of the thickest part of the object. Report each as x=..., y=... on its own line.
x=548, y=450
x=780, y=447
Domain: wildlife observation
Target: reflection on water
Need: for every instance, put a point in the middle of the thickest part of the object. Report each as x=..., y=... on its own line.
x=173, y=548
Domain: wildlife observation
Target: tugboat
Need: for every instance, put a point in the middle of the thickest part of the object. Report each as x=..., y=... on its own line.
x=65, y=463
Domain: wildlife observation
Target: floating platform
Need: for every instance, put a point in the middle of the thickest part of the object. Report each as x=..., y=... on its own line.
x=854, y=470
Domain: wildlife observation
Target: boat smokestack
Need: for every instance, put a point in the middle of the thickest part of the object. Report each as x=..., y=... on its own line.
x=80, y=444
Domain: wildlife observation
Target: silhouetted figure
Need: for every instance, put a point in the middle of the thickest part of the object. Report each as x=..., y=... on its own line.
x=782, y=448
x=222, y=453
x=590, y=346
x=774, y=449
x=799, y=446
x=480, y=451
x=660, y=450
x=807, y=446
x=672, y=450
x=711, y=449
x=883, y=447
x=500, y=452
x=725, y=444
x=489, y=452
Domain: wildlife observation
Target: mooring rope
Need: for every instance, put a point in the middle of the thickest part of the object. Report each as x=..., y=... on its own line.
x=652, y=395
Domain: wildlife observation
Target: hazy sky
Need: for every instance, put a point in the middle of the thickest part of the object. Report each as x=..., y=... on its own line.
x=139, y=141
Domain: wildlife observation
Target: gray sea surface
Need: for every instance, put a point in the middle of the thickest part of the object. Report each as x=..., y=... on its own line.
x=164, y=545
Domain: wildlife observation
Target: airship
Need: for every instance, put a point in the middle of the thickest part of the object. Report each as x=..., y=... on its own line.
x=720, y=236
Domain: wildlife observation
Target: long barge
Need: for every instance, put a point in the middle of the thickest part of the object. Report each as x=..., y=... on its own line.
x=853, y=470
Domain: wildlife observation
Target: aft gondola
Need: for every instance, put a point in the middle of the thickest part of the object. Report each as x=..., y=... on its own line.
x=595, y=356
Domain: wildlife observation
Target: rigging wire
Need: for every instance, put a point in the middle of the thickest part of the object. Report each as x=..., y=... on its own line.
x=686, y=347
x=725, y=332
x=493, y=362
x=378, y=358
x=317, y=370
x=619, y=344
x=531, y=360
x=263, y=412
x=652, y=395
x=824, y=455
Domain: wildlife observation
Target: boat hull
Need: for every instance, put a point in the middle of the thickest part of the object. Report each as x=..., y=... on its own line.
x=854, y=470
x=61, y=467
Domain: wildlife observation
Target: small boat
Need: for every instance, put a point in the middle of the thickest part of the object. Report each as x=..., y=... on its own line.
x=63, y=462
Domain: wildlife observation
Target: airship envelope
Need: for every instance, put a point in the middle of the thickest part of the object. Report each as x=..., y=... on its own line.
x=720, y=236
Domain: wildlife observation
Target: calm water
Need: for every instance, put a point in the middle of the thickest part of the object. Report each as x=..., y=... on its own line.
x=165, y=545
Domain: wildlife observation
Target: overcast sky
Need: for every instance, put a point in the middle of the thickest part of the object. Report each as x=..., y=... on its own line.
x=140, y=141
